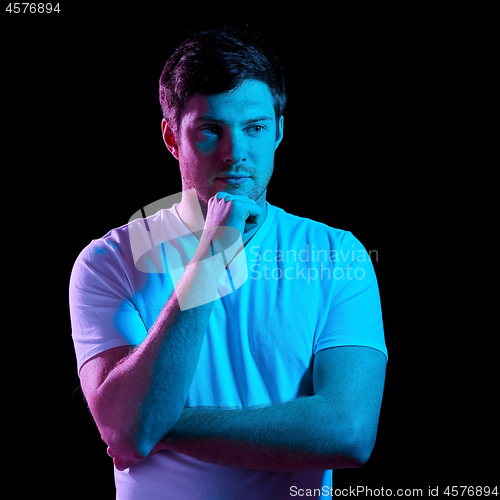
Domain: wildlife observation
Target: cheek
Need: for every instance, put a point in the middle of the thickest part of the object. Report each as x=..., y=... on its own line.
x=206, y=147
x=194, y=166
x=198, y=152
x=190, y=156
x=263, y=156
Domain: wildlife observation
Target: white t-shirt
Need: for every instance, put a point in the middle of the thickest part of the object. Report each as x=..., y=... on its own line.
x=299, y=286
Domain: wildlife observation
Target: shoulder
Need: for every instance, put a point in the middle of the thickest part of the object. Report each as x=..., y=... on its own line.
x=306, y=229
x=98, y=269
x=103, y=251
x=124, y=245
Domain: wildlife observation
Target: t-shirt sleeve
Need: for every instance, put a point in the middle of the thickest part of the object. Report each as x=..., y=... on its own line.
x=102, y=313
x=354, y=316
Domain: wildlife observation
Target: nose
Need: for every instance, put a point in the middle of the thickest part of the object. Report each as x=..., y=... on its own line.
x=234, y=149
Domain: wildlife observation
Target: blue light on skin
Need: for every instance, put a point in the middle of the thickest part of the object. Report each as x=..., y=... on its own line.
x=213, y=133
x=209, y=142
x=233, y=133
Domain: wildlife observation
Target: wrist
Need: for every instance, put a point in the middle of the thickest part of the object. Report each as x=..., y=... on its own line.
x=204, y=250
x=225, y=242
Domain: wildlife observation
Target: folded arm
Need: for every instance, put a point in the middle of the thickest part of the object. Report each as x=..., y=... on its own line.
x=136, y=395
x=336, y=428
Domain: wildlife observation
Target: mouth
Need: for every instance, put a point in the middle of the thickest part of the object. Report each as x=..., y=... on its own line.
x=233, y=179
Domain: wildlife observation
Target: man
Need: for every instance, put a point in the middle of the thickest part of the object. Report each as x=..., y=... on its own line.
x=259, y=366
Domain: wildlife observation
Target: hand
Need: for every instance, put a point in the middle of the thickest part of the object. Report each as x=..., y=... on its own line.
x=238, y=211
x=230, y=219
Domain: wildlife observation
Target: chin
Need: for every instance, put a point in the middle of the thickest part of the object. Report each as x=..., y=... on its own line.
x=235, y=189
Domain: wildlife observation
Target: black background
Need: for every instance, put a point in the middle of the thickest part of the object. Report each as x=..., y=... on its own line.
x=373, y=143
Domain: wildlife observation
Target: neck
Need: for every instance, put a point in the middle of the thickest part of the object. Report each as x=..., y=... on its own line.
x=192, y=211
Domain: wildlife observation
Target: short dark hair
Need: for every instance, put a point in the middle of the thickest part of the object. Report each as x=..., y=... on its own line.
x=217, y=61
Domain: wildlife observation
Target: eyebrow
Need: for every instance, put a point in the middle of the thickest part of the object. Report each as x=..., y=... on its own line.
x=207, y=118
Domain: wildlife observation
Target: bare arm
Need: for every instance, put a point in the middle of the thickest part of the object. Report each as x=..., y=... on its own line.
x=335, y=428
x=136, y=396
x=136, y=399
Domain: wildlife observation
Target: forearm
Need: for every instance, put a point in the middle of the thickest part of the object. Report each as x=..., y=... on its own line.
x=295, y=435
x=143, y=396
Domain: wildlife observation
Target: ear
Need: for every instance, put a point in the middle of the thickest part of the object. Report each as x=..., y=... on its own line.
x=169, y=139
x=279, y=135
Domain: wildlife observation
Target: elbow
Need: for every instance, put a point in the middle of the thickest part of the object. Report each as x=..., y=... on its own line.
x=351, y=448
x=128, y=433
x=130, y=438
x=150, y=432
x=357, y=456
x=137, y=443
x=122, y=444
x=131, y=446
x=118, y=432
x=359, y=446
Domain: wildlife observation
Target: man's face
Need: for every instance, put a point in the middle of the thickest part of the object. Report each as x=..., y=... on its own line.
x=227, y=142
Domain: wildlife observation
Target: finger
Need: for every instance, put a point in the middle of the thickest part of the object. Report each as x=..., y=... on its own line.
x=254, y=209
x=229, y=197
x=222, y=194
x=242, y=198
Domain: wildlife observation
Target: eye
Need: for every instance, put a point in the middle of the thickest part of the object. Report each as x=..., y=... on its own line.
x=210, y=131
x=255, y=130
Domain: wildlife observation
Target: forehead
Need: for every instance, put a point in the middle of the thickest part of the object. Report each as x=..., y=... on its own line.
x=253, y=98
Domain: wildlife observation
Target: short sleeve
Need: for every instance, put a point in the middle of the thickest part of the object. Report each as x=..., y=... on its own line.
x=354, y=316
x=102, y=313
